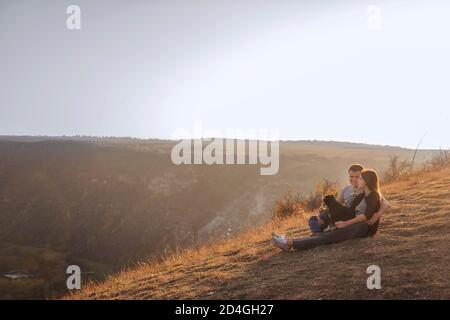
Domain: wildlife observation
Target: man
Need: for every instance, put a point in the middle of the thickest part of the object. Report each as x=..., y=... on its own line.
x=322, y=221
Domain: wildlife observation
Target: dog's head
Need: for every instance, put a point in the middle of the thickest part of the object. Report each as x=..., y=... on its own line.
x=327, y=199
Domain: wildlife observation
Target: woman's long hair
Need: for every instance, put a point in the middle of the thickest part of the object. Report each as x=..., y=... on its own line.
x=371, y=179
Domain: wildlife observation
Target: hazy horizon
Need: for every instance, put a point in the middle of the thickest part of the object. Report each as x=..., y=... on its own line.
x=354, y=71
x=68, y=137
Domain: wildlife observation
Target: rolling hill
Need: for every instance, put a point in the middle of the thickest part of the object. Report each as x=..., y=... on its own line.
x=411, y=249
x=108, y=203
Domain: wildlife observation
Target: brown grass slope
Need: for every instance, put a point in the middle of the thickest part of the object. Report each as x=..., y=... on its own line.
x=412, y=249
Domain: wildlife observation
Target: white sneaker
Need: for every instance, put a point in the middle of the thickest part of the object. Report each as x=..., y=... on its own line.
x=280, y=243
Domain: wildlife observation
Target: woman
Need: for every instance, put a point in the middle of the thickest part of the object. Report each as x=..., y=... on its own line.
x=350, y=222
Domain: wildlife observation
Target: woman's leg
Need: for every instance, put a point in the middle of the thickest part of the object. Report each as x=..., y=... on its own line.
x=357, y=230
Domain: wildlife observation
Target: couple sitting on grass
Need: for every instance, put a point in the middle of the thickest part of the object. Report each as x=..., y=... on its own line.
x=355, y=213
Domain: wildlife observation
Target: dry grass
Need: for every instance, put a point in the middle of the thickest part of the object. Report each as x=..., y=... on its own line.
x=295, y=204
x=397, y=169
x=411, y=249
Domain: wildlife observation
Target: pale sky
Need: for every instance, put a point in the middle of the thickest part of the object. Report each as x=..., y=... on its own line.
x=362, y=71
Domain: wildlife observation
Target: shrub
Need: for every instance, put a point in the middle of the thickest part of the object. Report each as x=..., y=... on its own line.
x=440, y=159
x=292, y=204
x=313, y=201
x=396, y=169
x=287, y=206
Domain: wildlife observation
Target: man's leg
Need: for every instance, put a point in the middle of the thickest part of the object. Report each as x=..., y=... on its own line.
x=324, y=218
x=357, y=230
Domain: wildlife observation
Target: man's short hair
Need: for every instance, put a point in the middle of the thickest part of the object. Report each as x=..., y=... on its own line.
x=355, y=167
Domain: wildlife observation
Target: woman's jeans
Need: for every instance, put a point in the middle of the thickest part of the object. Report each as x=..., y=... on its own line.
x=357, y=230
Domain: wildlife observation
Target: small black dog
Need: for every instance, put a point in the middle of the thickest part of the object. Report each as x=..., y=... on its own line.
x=338, y=212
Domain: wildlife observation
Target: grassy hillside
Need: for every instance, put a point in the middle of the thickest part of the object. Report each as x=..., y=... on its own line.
x=119, y=201
x=411, y=248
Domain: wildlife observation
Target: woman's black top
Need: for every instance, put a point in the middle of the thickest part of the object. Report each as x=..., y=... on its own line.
x=373, y=201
